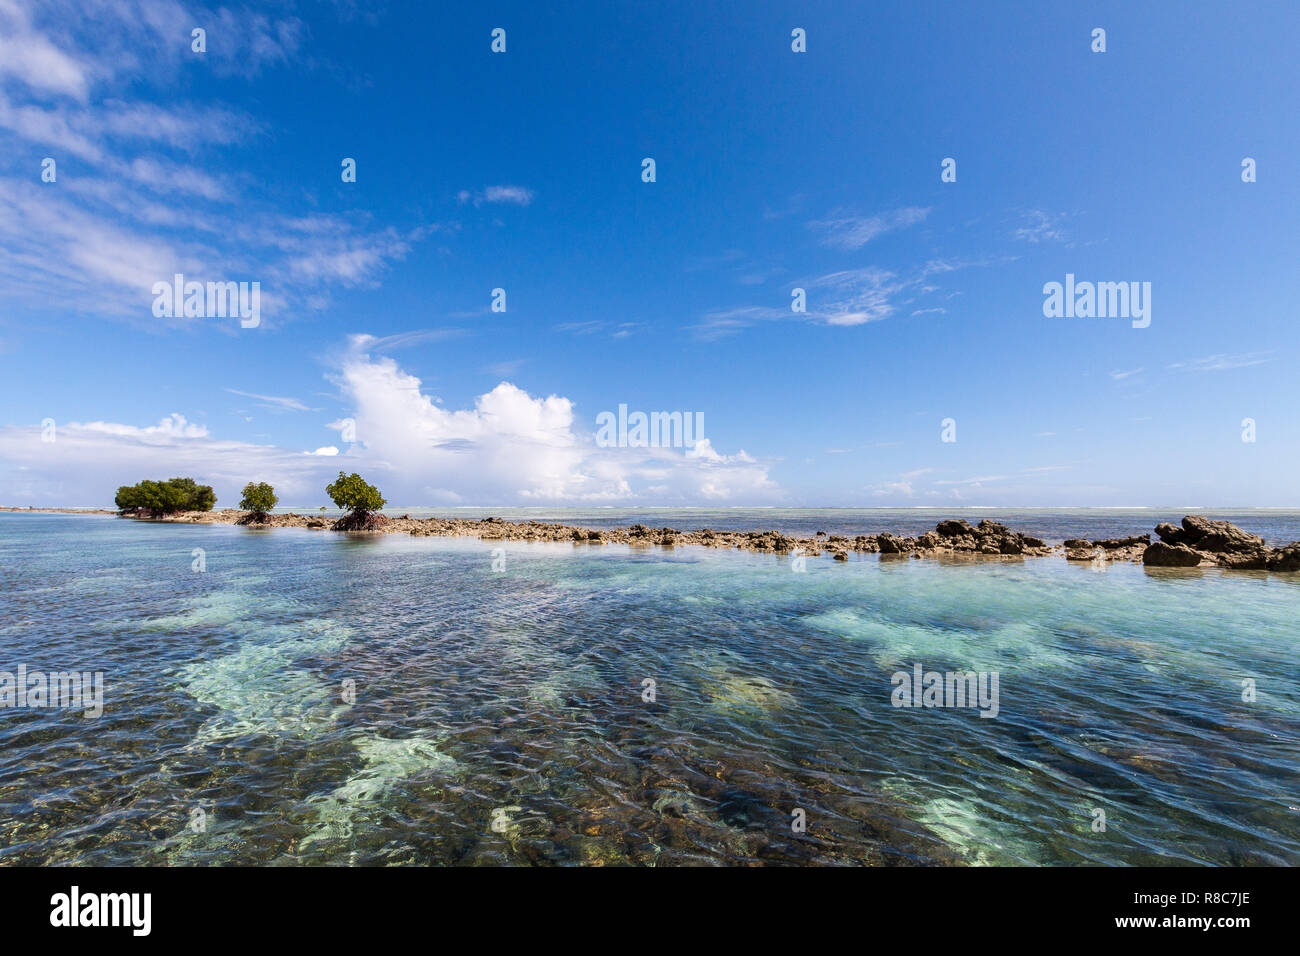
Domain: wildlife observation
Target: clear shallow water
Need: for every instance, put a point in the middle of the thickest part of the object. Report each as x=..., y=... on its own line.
x=498, y=715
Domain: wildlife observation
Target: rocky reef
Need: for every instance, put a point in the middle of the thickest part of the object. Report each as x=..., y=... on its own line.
x=1199, y=542
x=1110, y=549
x=1204, y=541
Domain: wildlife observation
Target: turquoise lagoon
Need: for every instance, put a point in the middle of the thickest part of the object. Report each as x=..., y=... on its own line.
x=313, y=698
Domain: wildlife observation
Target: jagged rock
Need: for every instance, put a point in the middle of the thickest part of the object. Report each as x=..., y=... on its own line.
x=866, y=543
x=1162, y=555
x=1170, y=533
x=839, y=555
x=928, y=541
x=1011, y=544
x=995, y=528
x=1078, y=544
x=1245, y=561
x=892, y=544
x=1219, y=537
x=953, y=528
x=1285, y=559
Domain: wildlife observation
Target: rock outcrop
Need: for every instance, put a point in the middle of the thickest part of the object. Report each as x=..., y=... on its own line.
x=1162, y=555
x=1218, y=542
x=1285, y=559
x=1198, y=541
x=1110, y=549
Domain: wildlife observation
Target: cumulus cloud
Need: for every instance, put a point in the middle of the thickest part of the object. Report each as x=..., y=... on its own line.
x=508, y=448
x=173, y=426
x=85, y=463
x=513, y=447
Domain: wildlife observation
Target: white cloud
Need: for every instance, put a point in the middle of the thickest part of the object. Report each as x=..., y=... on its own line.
x=137, y=199
x=510, y=447
x=511, y=195
x=1224, y=362
x=1038, y=226
x=86, y=463
x=854, y=232
x=849, y=297
x=273, y=401
x=173, y=426
x=856, y=296
x=30, y=57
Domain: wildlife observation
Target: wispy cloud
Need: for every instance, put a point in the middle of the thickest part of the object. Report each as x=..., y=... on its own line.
x=856, y=296
x=978, y=480
x=615, y=330
x=854, y=232
x=1223, y=362
x=406, y=340
x=1038, y=226
x=511, y=195
x=273, y=401
x=848, y=297
x=144, y=201
x=1120, y=374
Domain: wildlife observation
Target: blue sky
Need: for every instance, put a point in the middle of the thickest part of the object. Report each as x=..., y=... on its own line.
x=775, y=170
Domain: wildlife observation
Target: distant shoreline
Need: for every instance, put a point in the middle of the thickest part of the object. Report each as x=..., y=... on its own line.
x=1199, y=542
